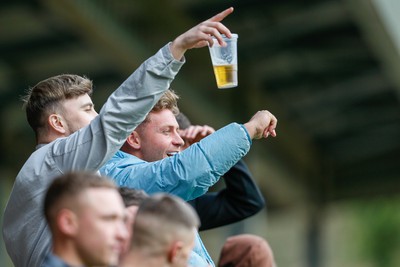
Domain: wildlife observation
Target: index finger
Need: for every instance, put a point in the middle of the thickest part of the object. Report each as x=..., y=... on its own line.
x=220, y=16
x=272, y=125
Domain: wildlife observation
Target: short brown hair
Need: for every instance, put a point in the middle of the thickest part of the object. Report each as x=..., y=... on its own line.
x=70, y=185
x=160, y=219
x=45, y=97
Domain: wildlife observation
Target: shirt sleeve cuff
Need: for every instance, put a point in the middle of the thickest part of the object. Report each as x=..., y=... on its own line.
x=247, y=133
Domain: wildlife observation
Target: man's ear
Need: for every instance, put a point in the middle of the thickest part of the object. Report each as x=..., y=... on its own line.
x=67, y=222
x=56, y=123
x=175, y=251
x=133, y=140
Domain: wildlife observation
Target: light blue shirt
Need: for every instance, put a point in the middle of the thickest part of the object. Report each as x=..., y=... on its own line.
x=199, y=256
x=188, y=174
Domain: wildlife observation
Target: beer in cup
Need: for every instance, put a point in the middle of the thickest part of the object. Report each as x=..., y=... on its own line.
x=224, y=61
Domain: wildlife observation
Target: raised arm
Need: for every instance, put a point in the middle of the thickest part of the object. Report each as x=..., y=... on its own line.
x=130, y=103
x=201, y=35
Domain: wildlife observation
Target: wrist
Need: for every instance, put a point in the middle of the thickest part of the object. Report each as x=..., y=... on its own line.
x=250, y=129
x=176, y=49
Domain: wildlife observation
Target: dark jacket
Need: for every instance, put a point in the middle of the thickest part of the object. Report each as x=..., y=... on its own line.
x=240, y=199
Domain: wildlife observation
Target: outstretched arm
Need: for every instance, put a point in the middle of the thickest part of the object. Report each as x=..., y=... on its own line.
x=190, y=173
x=240, y=198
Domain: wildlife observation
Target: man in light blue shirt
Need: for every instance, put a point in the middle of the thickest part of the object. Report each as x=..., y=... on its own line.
x=151, y=158
x=71, y=135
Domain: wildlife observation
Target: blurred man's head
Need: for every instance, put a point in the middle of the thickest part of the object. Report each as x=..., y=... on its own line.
x=246, y=251
x=86, y=216
x=164, y=231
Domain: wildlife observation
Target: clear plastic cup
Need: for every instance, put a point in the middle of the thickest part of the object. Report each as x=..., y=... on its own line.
x=224, y=61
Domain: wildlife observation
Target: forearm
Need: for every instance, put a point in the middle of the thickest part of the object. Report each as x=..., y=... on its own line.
x=128, y=106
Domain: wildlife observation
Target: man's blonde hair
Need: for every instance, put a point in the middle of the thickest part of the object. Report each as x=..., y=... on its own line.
x=169, y=100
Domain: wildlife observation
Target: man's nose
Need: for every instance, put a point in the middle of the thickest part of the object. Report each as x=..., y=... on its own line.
x=178, y=140
x=122, y=230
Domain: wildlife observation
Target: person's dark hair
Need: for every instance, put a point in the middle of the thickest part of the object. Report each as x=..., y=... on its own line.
x=183, y=121
x=132, y=197
x=44, y=98
x=70, y=185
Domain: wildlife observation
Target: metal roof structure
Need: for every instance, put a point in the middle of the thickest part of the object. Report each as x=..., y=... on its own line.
x=327, y=69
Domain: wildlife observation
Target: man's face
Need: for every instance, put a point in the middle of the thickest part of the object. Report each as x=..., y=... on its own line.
x=159, y=137
x=78, y=113
x=101, y=227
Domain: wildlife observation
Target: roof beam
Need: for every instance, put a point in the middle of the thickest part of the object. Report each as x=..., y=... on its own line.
x=368, y=15
x=100, y=31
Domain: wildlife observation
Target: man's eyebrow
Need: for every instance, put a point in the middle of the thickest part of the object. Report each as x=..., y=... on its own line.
x=88, y=104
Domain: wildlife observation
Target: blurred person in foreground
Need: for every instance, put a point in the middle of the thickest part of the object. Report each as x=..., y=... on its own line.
x=71, y=136
x=86, y=217
x=243, y=250
x=163, y=233
x=246, y=250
